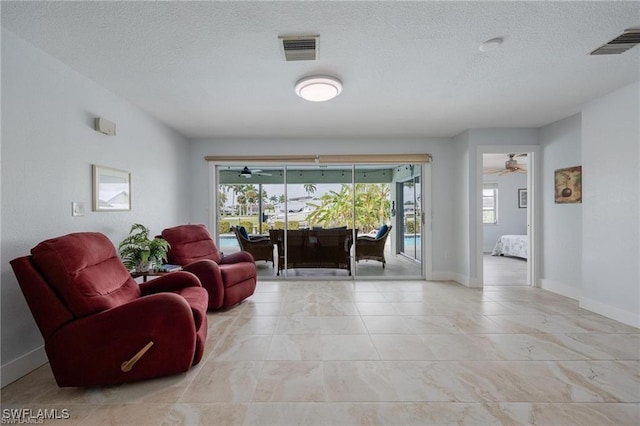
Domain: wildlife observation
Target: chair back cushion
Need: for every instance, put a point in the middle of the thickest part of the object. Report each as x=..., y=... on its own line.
x=383, y=230
x=243, y=232
x=190, y=243
x=85, y=270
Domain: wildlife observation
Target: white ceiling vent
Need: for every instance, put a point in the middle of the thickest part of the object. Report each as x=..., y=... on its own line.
x=299, y=48
x=622, y=43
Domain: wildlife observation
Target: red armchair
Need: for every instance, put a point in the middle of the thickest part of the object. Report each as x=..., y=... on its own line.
x=99, y=326
x=229, y=279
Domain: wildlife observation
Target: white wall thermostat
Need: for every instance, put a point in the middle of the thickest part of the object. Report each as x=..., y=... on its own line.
x=105, y=126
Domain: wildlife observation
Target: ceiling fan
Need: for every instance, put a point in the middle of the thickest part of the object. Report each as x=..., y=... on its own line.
x=247, y=173
x=511, y=166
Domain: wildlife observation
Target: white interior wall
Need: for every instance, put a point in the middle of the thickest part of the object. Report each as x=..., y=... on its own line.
x=561, y=263
x=48, y=147
x=512, y=220
x=460, y=214
x=610, y=209
x=440, y=148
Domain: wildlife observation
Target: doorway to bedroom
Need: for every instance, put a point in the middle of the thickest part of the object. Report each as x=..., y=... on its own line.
x=505, y=218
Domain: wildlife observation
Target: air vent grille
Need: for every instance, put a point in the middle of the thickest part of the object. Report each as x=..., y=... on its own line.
x=620, y=44
x=300, y=48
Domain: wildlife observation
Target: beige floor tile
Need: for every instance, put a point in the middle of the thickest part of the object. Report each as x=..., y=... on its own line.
x=186, y=414
x=386, y=324
x=245, y=347
x=380, y=353
x=376, y=308
x=285, y=381
x=348, y=347
x=223, y=381
x=129, y=414
x=295, y=347
x=431, y=324
x=254, y=325
x=341, y=325
x=262, y=309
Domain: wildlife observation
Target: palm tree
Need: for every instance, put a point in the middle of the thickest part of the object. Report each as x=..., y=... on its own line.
x=251, y=195
x=336, y=208
x=274, y=201
x=310, y=188
x=222, y=199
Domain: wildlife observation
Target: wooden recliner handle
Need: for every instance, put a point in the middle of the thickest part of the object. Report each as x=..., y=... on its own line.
x=128, y=365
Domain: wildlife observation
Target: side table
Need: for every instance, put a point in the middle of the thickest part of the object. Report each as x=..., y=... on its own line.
x=147, y=274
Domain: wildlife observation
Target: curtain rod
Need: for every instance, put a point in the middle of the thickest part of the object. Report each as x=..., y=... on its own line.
x=324, y=159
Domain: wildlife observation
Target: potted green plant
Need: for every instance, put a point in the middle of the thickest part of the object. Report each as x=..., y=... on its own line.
x=141, y=253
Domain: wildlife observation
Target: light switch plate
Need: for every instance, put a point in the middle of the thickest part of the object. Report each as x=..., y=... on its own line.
x=77, y=209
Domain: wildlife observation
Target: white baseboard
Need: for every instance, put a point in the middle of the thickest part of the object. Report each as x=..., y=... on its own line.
x=608, y=311
x=460, y=279
x=465, y=280
x=23, y=365
x=625, y=317
x=560, y=288
x=440, y=276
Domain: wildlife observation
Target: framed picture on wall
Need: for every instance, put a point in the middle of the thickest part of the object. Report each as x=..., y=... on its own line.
x=568, y=185
x=522, y=198
x=111, y=189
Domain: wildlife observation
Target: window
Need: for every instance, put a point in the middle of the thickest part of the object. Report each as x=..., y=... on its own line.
x=490, y=203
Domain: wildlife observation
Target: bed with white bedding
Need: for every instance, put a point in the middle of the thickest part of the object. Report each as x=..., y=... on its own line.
x=511, y=245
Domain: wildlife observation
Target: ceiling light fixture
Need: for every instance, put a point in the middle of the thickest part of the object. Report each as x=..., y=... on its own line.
x=491, y=44
x=318, y=88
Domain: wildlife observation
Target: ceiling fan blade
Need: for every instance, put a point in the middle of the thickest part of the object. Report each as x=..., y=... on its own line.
x=493, y=171
x=256, y=172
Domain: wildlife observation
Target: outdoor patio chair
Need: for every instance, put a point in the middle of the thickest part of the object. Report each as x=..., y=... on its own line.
x=260, y=246
x=372, y=248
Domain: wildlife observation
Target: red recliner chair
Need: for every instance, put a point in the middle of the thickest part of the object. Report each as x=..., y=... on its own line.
x=229, y=279
x=99, y=326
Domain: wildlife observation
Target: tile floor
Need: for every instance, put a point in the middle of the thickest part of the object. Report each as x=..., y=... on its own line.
x=380, y=353
x=504, y=270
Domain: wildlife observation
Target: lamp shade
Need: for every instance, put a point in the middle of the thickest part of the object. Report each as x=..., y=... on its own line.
x=318, y=88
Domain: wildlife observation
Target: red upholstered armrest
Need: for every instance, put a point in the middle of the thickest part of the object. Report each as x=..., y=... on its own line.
x=111, y=337
x=238, y=257
x=208, y=272
x=173, y=281
x=203, y=268
x=186, y=285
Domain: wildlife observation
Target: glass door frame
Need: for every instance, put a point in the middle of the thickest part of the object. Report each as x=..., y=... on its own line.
x=418, y=217
x=425, y=219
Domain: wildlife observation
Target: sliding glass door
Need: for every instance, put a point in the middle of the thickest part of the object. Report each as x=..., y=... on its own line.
x=324, y=221
x=409, y=217
x=319, y=231
x=252, y=199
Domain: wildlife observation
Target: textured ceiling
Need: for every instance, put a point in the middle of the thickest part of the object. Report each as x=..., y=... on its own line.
x=214, y=69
